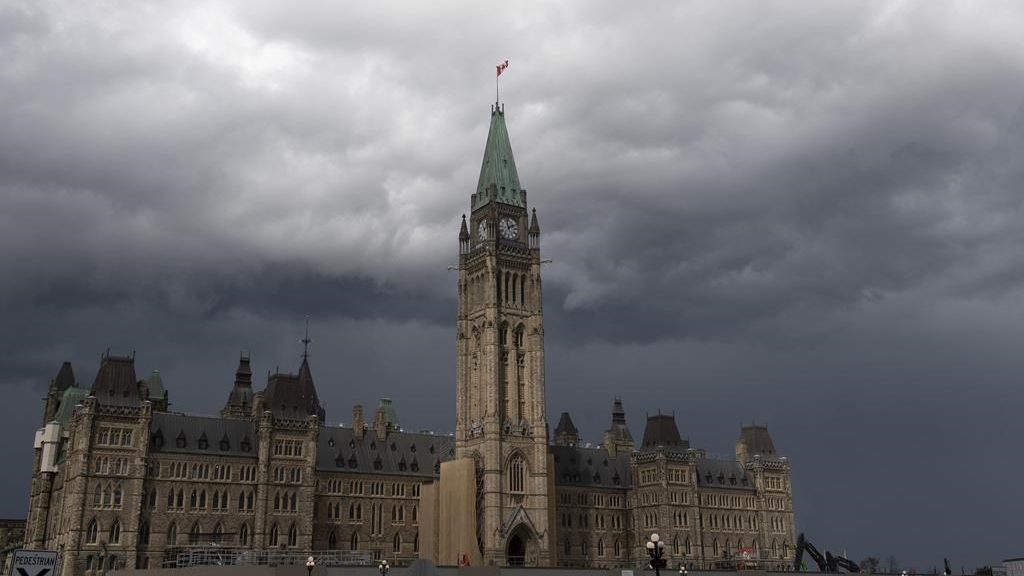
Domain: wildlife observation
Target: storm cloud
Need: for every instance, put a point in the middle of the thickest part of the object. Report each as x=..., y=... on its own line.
x=804, y=214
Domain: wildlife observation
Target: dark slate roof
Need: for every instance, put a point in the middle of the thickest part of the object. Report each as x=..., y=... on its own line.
x=402, y=453
x=293, y=396
x=661, y=431
x=590, y=467
x=65, y=377
x=758, y=440
x=724, y=474
x=565, y=425
x=182, y=434
x=115, y=383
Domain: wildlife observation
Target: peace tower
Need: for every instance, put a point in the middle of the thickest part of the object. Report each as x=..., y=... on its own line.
x=501, y=421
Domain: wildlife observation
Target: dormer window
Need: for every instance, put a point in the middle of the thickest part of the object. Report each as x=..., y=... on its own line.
x=378, y=464
x=352, y=462
x=225, y=445
x=181, y=442
x=246, y=445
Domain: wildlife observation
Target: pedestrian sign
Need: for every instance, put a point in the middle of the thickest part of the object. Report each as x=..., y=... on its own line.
x=34, y=563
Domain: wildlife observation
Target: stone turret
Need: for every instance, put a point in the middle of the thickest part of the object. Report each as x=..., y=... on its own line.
x=754, y=441
x=240, y=401
x=617, y=438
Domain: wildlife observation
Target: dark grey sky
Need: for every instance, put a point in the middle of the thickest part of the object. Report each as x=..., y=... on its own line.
x=805, y=214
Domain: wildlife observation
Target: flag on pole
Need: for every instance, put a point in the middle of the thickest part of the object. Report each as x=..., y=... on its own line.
x=502, y=66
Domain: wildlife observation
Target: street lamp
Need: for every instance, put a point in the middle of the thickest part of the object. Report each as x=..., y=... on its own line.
x=383, y=568
x=683, y=571
x=656, y=549
x=310, y=564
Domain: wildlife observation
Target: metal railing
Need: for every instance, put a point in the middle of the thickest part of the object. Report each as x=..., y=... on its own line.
x=224, y=556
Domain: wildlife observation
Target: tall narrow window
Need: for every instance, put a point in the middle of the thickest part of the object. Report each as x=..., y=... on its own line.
x=332, y=541
x=354, y=541
x=517, y=474
x=172, y=534
x=396, y=543
x=293, y=536
x=195, y=534
x=92, y=532
x=273, y=535
x=243, y=535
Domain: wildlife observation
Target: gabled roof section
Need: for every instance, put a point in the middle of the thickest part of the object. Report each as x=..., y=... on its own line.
x=65, y=378
x=499, y=180
x=115, y=383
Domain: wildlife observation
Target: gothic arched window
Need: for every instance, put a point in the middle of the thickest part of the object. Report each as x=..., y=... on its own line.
x=354, y=541
x=600, y=547
x=115, y=533
x=396, y=543
x=92, y=532
x=273, y=535
x=194, y=534
x=332, y=541
x=172, y=534
x=517, y=474
x=293, y=536
x=243, y=535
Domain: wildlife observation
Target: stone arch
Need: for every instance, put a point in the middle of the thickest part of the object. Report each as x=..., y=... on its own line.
x=521, y=547
x=516, y=471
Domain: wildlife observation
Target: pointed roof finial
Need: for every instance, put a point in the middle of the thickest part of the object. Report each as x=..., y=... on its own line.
x=305, y=341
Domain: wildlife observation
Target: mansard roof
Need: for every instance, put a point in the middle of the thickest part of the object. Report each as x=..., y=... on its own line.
x=723, y=474
x=662, y=431
x=758, y=440
x=115, y=383
x=590, y=467
x=293, y=396
x=184, y=434
x=400, y=453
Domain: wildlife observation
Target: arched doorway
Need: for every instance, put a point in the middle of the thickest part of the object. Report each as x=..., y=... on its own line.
x=516, y=552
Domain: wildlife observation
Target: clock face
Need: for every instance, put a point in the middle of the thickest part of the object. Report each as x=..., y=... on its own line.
x=509, y=229
x=481, y=231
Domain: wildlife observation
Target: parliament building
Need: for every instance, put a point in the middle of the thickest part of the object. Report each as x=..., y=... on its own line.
x=120, y=480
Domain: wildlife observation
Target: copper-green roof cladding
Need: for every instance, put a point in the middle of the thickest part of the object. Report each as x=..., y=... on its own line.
x=72, y=397
x=498, y=168
x=155, y=384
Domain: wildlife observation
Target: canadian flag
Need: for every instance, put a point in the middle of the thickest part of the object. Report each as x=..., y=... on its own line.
x=502, y=66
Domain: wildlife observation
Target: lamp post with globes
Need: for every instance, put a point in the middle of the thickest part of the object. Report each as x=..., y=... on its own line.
x=383, y=568
x=656, y=549
x=310, y=564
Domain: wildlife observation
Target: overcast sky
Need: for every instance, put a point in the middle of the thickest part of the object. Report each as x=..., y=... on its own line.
x=804, y=214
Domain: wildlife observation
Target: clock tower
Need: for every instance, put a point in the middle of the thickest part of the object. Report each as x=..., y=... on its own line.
x=501, y=421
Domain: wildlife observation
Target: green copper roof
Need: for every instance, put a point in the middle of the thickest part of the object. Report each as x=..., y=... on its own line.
x=72, y=396
x=498, y=168
x=157, y=390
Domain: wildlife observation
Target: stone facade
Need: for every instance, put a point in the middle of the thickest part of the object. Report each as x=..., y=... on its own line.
x=118, y=480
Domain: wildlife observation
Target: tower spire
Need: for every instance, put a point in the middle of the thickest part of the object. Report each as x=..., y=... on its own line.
x=306, y=341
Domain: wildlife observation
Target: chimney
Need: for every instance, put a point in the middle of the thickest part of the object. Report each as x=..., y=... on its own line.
x=358, y=424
